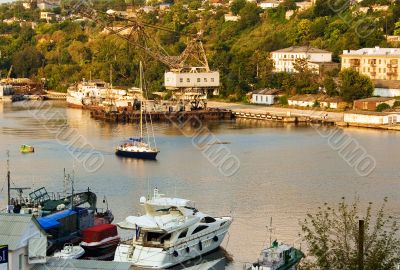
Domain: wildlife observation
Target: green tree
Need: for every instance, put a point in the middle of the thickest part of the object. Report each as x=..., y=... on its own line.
x=332, y=238
x=237, y=5
x=249, y=15
x=397, y=29
x=27, y=62
x=330, y=86
x=353, y=85
x=382, y=107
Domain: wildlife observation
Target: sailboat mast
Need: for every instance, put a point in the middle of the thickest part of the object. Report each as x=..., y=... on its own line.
x=141, y=101
x=8, y=182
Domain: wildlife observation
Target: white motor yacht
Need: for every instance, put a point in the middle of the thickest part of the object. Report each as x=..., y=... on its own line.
x=171, y=232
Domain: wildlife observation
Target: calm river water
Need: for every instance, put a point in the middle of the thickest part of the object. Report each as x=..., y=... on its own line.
x=285, y=171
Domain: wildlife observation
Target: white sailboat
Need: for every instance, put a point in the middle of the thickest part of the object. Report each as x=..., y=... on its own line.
x=171, y=232
x=138, y=147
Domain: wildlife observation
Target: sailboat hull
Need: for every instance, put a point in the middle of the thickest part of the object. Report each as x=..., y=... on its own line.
x=139, y=155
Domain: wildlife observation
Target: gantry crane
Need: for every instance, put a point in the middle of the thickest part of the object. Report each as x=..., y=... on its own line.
x=189, y=75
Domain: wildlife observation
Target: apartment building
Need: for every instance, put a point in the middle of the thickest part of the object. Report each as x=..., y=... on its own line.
x=377, y=63
x=318, y=59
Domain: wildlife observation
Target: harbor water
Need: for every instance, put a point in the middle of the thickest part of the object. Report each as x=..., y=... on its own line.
x=279, y=171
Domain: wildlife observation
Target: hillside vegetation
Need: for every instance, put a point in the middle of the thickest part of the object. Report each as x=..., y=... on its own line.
x=65, y=52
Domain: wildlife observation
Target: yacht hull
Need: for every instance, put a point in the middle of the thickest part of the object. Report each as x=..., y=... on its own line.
x=139, y=155
x=157, y=258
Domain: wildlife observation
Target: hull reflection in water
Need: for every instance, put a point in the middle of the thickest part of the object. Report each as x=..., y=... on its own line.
x=218, y=260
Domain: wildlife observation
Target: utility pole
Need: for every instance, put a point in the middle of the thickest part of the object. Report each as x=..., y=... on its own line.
x=361, y=244
x=8, y=182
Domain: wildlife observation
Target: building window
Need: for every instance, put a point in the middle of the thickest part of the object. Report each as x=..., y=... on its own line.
x=205, y=79
x=256, y=98
x=364, y=69
x=198, y=79
x=181, y=79
x=187, y=80
x=212, y=79
x=261, y=98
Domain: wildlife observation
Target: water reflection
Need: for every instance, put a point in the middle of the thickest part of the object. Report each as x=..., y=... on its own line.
x=286, y=170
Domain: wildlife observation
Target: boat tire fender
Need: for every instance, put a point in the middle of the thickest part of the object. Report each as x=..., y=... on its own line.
x=187, y=249
x=175, y=253
x=200, y=245
x=215, y=238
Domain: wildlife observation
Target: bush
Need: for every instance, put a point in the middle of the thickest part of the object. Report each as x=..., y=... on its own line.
x=382, y=107
x=283, y=100
x=396, y=104
x=316, y=104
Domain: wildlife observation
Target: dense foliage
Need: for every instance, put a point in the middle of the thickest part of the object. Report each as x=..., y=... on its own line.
x=66, y=51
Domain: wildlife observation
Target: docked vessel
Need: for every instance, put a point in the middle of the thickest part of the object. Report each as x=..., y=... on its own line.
x=26, y=149
x=138, y=147
x=85, y=93
x=100, y=242
x=278, y=257
x=171, y=232
x=70, y=252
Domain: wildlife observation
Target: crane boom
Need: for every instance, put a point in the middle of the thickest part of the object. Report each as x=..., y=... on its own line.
x=140, y=38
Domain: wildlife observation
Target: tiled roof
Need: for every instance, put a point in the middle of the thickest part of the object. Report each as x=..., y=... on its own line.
x=301, y=49
x=375, y=99
x=377, y=51
x=266, y=91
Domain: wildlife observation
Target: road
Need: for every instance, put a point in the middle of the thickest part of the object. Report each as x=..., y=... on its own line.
x=236, y=107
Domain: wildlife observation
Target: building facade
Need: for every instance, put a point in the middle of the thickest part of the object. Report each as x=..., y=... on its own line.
x=370, y=104
x=376, y=63
x=285, y=58
x=264, y=96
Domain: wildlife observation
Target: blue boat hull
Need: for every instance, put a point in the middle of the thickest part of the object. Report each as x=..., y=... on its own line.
x=140, y=155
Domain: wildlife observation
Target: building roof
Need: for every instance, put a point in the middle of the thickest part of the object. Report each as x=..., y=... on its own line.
x=375, y=99
x=300, y=49
x=377, y=51
x=372, y=113
x=17, y=229
x=307, y=97
x=331, y=99
x=266, y=91
x=62, y=264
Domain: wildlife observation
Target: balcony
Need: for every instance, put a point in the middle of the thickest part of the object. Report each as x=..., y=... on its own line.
x=355, y=62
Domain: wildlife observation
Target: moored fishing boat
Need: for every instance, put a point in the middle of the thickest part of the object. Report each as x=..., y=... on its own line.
x=100, y=242
x=171, y=232
x=278, y=257
x=70, y=252
x=26, y=149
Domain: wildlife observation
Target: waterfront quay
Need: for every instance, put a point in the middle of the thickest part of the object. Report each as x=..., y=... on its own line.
x=127, y=115
x=279, y=113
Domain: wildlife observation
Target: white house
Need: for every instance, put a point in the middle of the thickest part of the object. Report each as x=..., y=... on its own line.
x=25, y=240
x=269, y=4
x=264, y=96
x=231, y=18
x=332, y=103
x=285, y=58
x=48, y=4
x=371, y=118
x=303, y=100
x=48, y=16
